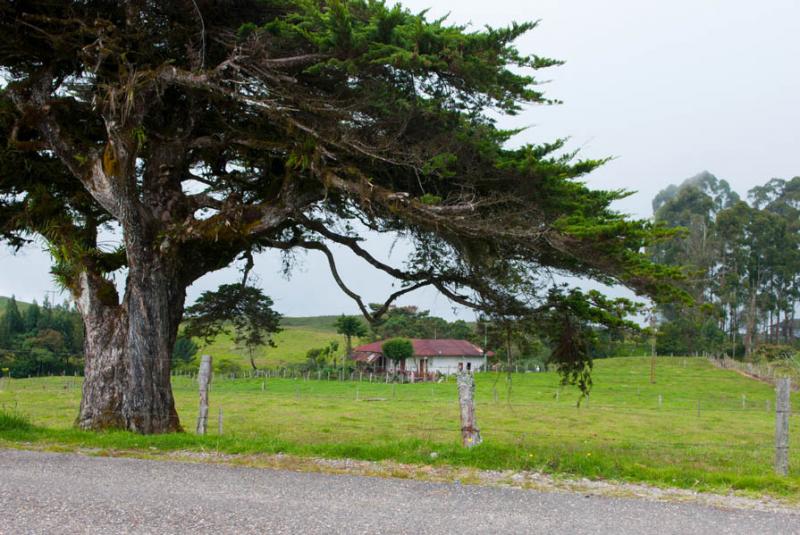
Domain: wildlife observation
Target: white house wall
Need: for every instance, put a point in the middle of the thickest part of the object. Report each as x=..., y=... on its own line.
x=446, y=365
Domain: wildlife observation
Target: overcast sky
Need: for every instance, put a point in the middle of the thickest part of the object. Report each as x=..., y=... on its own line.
x=666, y=88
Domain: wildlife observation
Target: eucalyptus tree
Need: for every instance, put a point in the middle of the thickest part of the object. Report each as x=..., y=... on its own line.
x=694, y=206
x=203, y=130
x=782, y=198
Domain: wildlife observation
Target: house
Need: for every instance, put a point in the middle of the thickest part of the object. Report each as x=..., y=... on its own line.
x=431, y=357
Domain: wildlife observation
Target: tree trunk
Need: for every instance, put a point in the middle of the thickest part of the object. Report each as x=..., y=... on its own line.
x=155, y=300
x=105, y=373
x=128, y=349
x=750, y=335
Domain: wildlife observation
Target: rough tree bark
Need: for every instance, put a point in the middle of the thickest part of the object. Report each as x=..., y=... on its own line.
x=105, y=372
x=128, y=349
x=129, y=345
x=750, y=333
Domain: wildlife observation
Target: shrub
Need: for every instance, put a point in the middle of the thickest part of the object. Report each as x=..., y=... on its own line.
x=771, y=352
x=398, y=349
x=184, y=351
x=227, y=367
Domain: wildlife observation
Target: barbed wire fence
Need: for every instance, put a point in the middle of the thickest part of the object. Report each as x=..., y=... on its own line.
x=506, y=416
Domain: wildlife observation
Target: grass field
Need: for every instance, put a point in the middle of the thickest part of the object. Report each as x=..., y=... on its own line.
x=299, y=334
x=292, y=344
x=712, y=431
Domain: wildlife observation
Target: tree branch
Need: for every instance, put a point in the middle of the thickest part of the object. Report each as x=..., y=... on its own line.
x=318, y=246
x=352, y=243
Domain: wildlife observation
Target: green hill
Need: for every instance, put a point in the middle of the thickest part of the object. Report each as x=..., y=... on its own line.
x=292, y=345
x=317, y=323
x=21, y=305
x=298, y=336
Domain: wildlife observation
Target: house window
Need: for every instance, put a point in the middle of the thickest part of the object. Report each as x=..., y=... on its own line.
x=469, y=366
x=460, y=366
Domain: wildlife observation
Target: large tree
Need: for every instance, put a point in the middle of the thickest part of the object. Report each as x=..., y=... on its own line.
x=204, y=129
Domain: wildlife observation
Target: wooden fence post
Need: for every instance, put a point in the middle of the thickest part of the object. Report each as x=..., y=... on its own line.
x=653, y=368
x=219, y=422
x=470, y=434
x=782, y=410
x=203, y=378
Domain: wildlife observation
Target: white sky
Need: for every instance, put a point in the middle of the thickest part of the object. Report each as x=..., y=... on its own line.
x=667, y=88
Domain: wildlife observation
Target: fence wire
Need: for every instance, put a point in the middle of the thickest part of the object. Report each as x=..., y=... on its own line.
x=505, y=415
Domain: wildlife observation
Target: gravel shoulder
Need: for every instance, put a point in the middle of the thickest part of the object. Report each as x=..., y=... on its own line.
x=44, y=492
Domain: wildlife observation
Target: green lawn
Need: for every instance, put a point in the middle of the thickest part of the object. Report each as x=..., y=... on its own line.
x=704, y=435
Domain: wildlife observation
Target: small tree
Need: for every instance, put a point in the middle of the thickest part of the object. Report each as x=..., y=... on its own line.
x=350, y=326
x=398, y=350
x=184, y=351
x=31, y=317
x=318, y=357
x=244, y=308
x=12, y=322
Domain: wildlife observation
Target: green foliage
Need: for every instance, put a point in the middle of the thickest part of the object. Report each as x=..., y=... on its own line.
x=690, y=334
x=293, y=343
x=742, y=263
x=184, y=351
x=568, y=323
x=410, y=322
x=398, y=349
x=320, y=357
x=12, y=323
x=32, y=316
x=226, y=366
x=775, y=352
x=244, y=309
x=11, y=421
x=350, y=326
x=41, y=340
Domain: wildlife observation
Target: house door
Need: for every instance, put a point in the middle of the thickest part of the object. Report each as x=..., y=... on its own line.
x=423, y=366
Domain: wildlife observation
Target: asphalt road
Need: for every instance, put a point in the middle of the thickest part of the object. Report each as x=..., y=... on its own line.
x=66, y=493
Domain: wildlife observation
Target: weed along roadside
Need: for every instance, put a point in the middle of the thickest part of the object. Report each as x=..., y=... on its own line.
x=633, y=430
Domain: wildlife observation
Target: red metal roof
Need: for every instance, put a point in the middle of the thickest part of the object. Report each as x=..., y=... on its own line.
x=430, y=348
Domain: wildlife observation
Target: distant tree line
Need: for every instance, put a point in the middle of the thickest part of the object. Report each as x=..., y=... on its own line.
x=411, y=322
x=40, y=340
x=742, y=261
x=512, y=342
